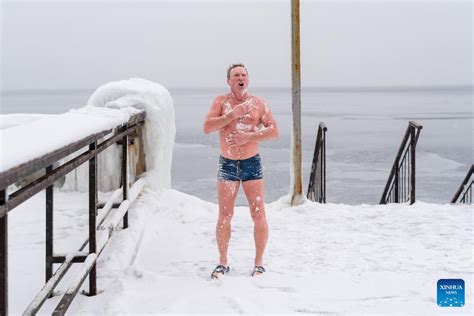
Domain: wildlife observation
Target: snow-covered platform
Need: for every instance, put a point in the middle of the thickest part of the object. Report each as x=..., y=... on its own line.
x=25, y=142
x=321, y=259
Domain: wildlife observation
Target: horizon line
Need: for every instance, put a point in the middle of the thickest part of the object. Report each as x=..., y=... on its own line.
x=384, y=88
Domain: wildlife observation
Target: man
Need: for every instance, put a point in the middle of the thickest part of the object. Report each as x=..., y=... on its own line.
x=243, y=121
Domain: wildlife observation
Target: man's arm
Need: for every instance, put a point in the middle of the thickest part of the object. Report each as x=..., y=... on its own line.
x=215, y=121
x=269, y=131
x=270, y=128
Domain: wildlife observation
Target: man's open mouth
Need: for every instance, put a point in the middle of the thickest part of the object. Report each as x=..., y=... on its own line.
x=241, y=84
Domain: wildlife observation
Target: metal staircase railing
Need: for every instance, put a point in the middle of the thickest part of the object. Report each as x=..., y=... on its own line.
x=317, y=178
x=464, y=193
x=55, y=167
x=400, y=187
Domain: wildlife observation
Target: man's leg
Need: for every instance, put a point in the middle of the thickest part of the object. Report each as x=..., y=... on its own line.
x=226, y=194
x=254, y=192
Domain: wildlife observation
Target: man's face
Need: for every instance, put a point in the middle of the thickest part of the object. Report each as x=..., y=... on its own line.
x=238, y=81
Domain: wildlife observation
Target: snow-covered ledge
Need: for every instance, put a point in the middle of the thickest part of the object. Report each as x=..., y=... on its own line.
x=26, y=142
x=110, y=105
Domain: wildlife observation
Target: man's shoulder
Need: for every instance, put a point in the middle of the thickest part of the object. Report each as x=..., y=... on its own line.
x=221, y=98
x=260, y=103
x=258, y=99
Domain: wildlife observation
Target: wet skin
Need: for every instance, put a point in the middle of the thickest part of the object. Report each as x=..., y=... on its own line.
x=242, y=121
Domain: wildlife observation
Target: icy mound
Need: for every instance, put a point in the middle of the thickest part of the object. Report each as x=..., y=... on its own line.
x=159, y=130
x=158, y=134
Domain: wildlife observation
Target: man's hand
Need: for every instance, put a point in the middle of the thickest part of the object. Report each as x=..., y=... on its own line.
x=237, y=139
x=242, y=109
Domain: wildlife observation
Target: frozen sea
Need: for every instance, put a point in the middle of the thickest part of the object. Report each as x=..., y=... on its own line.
x=365, y=128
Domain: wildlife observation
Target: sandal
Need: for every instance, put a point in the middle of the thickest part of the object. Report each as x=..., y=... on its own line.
x=219, y=271
x=258, y=270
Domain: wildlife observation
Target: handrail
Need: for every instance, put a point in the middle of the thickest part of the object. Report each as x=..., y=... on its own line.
x=401, y=184
x=317, y=178
x=16, y=173
x=9, y=200
x=464, y=192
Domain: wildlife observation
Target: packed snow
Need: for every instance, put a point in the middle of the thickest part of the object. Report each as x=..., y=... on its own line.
x=331, y=259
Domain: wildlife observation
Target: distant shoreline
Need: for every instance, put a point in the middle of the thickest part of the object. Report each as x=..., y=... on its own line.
x=341, y=89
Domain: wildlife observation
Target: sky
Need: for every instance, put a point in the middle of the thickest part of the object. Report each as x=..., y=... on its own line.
x=83, y=44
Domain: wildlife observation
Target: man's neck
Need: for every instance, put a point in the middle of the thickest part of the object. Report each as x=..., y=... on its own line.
x=239, y=96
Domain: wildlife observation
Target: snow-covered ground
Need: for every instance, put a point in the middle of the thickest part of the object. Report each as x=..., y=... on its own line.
x=329, y=259
x=332, y=259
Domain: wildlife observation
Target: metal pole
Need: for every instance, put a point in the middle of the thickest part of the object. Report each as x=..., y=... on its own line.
x=296, y=174
x=396, y=189
x=412, y=156
x=125, y=174
x=49, y=228
x=92, y=217
x=3, y=257
x=323, y=159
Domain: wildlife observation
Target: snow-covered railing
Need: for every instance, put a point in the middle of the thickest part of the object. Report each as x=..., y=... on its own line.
x=400, y=187
x=317, y=177
x=57, y=163
x=464, y=192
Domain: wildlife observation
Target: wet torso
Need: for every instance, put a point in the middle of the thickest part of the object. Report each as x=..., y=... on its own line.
x=251, y=122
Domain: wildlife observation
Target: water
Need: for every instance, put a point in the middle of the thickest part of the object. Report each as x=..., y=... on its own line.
x=365, y=129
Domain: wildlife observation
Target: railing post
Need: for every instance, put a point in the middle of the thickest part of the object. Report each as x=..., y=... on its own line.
x=3, y=257
x=125, y=173
x=92, y=217
x=49, y=227
x=396, y=184
x=412, y=162
x=462, y=187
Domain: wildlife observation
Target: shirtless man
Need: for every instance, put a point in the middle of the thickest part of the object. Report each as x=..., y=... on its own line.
x=243, y=121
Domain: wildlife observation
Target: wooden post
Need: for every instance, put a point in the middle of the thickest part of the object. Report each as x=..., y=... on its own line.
x=297, y=196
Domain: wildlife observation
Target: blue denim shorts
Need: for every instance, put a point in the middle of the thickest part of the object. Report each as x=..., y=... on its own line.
x=240, y=170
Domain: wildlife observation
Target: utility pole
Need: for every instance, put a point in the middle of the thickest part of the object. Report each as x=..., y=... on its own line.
x=296, y=184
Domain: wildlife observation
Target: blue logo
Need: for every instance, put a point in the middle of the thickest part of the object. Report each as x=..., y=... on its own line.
x=451, y=293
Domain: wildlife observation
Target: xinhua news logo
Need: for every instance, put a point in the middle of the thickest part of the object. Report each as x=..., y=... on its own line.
x=451, y=293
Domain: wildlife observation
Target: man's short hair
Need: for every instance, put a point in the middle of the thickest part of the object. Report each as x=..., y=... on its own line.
x=235, y=66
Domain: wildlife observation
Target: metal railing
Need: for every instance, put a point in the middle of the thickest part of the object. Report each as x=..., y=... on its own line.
x=464, y=192
x=317, y=178
x=401, y=184
x=48, y=162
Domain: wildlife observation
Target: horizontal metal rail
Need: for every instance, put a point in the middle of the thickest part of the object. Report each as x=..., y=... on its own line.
x=76, y=284
x=102, y=241
x=80, y=256
x=43, y=182
x=8, y=201
x=17, y=173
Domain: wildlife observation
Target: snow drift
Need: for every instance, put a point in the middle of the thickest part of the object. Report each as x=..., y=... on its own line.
x=158, y=136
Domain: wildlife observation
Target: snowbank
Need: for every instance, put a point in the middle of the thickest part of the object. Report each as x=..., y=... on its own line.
x=159, y=130
x=331, y=259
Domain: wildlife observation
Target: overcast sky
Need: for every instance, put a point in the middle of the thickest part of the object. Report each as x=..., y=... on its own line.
x=82, y=44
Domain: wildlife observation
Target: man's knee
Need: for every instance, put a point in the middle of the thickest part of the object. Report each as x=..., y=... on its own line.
x=225, y=217
x=258, y=214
